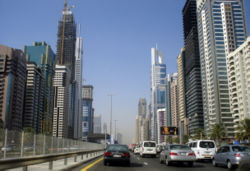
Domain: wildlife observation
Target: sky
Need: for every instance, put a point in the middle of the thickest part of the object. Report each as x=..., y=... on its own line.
x=117, y=39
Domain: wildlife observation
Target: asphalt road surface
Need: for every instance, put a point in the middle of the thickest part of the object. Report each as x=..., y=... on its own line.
x=147, y=164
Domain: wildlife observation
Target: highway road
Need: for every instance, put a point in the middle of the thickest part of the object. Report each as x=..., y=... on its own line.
x=147, y=164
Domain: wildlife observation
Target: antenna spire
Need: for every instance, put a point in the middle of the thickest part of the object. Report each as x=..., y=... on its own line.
x=65, y=5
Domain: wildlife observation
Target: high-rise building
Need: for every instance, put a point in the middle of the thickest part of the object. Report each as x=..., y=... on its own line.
x=78, y=79
x=238, y=66
x=142, y=107
x=12, y=87
x=168, y=100
x=161, y=120
x=158, y=88
x=44, y=57
x=174, y=101
x=61, y=84
x=181, y=91
x=221, y=29
x=191, y=71
x=98, y=124
x=87, y=113
x=66, y=41
x=137, y=130
x=33, y=103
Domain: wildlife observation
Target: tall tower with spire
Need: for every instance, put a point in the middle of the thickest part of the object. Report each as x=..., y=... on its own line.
x=66, y=40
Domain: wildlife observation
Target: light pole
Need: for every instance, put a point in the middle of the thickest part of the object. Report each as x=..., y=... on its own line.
x=115, y=131
x=111, y=95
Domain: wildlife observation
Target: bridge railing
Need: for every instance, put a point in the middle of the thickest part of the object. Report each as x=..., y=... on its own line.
x=14, y=144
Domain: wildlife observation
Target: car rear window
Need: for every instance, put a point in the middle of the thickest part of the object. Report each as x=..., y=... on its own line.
x=149, y=144
x=240, y=148
x=207, y=144
x=179, y=147
x=117, y=148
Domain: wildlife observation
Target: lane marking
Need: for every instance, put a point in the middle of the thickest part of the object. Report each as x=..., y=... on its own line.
x=92, y=164
x=145, y=163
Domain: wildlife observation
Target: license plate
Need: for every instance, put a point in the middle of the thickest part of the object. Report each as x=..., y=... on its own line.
x=116, y=155
x=206, y=155
x=150, y=150
x=183, y=154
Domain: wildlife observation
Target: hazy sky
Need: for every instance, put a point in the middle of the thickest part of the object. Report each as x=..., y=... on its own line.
x=118, y=36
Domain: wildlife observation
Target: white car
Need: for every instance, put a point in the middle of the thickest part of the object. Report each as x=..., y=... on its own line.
x=148, y=148
x=203, y=149
x=137, y=150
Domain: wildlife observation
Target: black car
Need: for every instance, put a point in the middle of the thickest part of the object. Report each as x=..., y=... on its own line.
x=116, y=153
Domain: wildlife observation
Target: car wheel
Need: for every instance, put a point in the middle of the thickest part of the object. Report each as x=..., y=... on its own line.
x=142, y=156
x=168, y=162
x=229, y=164
x=191, y=164
x=105, y=163
x=214, y=163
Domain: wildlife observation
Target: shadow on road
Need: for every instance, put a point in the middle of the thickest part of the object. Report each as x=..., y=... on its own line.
x=196, y=165
x=125, y=165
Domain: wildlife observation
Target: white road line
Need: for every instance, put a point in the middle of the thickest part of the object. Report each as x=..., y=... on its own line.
x=145, y=163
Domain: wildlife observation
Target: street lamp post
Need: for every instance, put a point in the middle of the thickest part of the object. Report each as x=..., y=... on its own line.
x=111, y=95
x=115, y=131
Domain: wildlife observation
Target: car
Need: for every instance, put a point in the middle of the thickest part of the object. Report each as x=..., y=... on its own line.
x=10, y=147
x=177, y=153
x=230, y=155
x=203, y=149
x=148, y=148
x=116, y=153
x=137, y=150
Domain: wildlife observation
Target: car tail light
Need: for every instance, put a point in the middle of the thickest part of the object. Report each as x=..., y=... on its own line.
x=191, y=154
x=173, y=154
x=107, y=154
x=126, y=155
x=237, y=155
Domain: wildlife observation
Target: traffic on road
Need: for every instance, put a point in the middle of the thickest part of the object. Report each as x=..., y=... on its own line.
x=172, y=157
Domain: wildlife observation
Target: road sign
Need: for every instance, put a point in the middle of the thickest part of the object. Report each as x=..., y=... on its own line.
x=166, y=130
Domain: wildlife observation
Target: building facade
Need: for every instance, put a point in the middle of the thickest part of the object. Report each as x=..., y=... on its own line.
x=158, y=88
x=12, y=87
x=174, y=101
x=33, y=103
x=221, y=29
x=98, y=124
x=192, y=70
x=238, y=66
x=61, y=84
x=44, y=57
x=161, y=120
x=87, y=113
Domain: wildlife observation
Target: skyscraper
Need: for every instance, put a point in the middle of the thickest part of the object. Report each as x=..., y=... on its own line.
x=238, y=65
x=97, y=124
x=161, y=121
x=12, y=87
x=44, y=57
x=66, y=40
x=221, y=29
x=191, y=70
x=33, y=103
x=142, y=107
x=78, y=79
x=87, y=113
x=158, y=88
x=61, y=84
x=174, y=101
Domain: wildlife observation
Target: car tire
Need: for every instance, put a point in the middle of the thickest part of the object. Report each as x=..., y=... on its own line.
x=214, y=163
x=142, y=156
x=229, y=165
x=190, y=164
x=105, y=163
x=160, y=160
x=168, y=163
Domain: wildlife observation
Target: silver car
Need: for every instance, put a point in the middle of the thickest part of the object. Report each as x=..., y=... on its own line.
x=231, y=155
x=177, y=153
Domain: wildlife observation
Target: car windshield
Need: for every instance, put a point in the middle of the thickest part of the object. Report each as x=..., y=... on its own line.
x=117, y=148
x=240, y=148
x=206, y=144
x=149, y=144
x=179, y=147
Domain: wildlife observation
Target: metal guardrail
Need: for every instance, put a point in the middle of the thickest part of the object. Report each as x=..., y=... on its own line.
x=27, y=161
